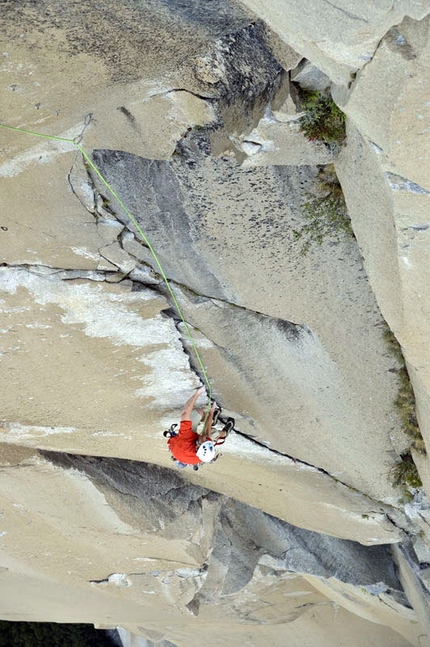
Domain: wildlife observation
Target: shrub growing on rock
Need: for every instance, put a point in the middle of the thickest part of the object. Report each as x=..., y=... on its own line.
x=405, y=474
x=405, y=401
x=323, y=121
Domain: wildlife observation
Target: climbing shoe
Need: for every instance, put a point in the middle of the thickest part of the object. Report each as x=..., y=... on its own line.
x=229, y=425
x=216, y=416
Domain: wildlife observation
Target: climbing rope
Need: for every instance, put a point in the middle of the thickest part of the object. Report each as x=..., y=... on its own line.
x=135, y=223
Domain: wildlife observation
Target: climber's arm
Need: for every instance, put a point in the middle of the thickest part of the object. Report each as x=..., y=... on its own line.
x=189, y=405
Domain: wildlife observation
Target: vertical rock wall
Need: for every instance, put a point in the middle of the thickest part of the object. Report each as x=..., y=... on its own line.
x=192, y=116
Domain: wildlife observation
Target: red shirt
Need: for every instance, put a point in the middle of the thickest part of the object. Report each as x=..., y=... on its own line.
x=183, y=446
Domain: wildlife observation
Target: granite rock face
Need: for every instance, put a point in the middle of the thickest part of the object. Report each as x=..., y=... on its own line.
x=141, y=543
x=191, y=113
x=338, y=37
x=390, y=153
x=191, y=214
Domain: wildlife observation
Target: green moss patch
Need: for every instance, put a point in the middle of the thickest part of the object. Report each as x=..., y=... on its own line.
x=323, y=121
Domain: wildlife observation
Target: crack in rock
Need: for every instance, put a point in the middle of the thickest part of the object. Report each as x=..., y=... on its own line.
x=194, y=94
x=346, y=13
x=117, y=579
x=161, y=289
x=62, y=273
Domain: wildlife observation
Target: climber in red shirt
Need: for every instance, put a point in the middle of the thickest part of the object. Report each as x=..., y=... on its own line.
x=188, y=447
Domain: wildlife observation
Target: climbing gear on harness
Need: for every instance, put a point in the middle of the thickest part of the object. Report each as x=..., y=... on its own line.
x=206, y=451
x=170, y=433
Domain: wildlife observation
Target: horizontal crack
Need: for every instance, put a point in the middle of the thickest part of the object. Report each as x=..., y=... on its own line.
x=195, y=94
x=196, y=572
x=160, y=288
x=100, y=275
x=61, y=272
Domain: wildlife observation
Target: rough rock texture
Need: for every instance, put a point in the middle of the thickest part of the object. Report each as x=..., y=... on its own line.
x=56, y=398
x=338, y=37
x=389, y=147
x=189, y=110
x=203, y=243
x=234, y=566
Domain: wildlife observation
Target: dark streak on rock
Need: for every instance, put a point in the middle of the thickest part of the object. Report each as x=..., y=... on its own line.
x=346, y=13
x=158, y=496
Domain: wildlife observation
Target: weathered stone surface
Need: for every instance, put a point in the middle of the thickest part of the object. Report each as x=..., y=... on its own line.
x=192, y=552
x=53, y=232
x=373, y=608
x=387, y=200
x=78, y=324
x=190, y=205
x=280, y=142
x=338, y=37
x=417, y=594
x=396, y=120
x=171, y=97
x=65, y=330
x=54, y=413
x=141, y=95
x=320, y=627
x=310, y=77
x=168, y=499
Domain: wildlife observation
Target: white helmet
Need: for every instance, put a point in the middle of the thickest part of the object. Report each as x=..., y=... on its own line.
x=206, y=451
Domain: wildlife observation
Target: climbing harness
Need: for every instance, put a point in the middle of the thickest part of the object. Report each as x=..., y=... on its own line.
x=76, y=142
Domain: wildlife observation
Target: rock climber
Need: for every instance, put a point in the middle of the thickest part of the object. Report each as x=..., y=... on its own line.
x=189, y=447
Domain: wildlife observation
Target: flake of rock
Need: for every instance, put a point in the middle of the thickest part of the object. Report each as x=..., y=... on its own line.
x=308, y=76
x=338, y=39
x=144, y=274
x=115, y=254
x=136, y=249
x=109, y=230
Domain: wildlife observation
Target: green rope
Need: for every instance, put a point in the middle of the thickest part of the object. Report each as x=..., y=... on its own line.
x=145, y=239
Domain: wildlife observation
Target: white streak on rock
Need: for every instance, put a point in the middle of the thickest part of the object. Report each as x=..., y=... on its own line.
x=25, y=432
x=119, y=579
x=81, y=251
x=42, y=153
x=166, y=367
x=103, y=314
